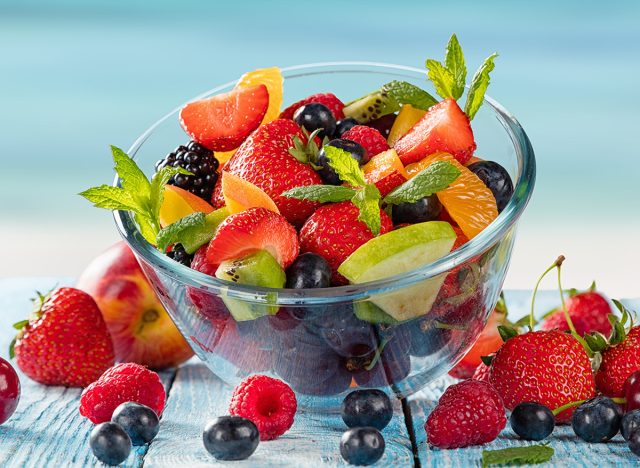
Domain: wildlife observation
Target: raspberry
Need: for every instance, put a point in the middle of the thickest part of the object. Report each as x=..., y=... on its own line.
x=369, y=138
x=468, y=413
x=120, y=384
x=330, y=100
x=269, y=403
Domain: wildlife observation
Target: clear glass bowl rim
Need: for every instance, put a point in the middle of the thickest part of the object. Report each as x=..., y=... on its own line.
x=497, y=230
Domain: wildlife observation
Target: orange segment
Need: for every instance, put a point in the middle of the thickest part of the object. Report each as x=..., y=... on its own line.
x=178, y=203
x=407, y=118
x=473, y=159
x=224, y=156
x=272, y=79
x=240, y=195
x=382, y=165
x=468, y=200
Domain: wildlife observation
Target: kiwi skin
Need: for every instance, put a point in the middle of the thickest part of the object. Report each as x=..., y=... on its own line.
x=370, y=107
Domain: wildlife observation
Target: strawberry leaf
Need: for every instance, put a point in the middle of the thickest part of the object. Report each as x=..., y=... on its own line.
x=321, y=193
x=506, y=332
x=487, y=360
x=596, y=341
x=525, y=455
x=441, y=78
x=21, y=324
x=454, y=61
x=478, y=87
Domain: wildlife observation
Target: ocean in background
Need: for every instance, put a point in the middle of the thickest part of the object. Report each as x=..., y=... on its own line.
x=77, y=76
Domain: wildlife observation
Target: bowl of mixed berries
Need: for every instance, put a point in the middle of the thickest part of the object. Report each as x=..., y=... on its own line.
x=333, y=225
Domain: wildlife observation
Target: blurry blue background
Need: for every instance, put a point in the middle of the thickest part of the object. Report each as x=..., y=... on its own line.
x=77, y=76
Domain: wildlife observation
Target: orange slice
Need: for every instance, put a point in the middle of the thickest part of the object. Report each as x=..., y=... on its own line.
x=386, y=171
x=240, y=195
x=467, y=200
x=224, y=156
x=178, y=203
x=407, y=118
x=272, y=79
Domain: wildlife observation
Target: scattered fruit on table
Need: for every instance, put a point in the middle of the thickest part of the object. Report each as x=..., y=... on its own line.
x=178, y=203
x=532, y=421
x=110, y=443
x=140, y=328
x=630, y=423
x=619, y=361
x=231, y=438
x=362, y=446
x=589, y=312
x=367, y=408
x=9, y=390
x=240, y=195
x=140, y=422
x=597, y=419
x=634, y=443
x=128, y=382
x=632, y=391
x=65, y=341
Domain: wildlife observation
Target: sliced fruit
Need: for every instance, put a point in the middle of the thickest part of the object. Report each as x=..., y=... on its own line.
x=224, y=156
x=445, y=127
x=240, y=195
x=407, y=118
x=386, y=171
x=272, y=79
x=178, y=203
x=473, y=159
x=212, y=221
x=468, y=201
x=398, y=252
x=371, y=313
x=370, y=107
x=223, y=121
x=257, y=269
x=244, y=233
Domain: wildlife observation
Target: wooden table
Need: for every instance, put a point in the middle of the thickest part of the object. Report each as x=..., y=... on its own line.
x=48, y=431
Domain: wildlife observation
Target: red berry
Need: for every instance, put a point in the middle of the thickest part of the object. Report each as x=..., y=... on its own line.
x=122, y=383
x=334, y=104
x=9, y=390
x=468, y=413
x=269, y=403
x=482, y=372
x=369, y=138
x=589, y=312
x=632, y=391
x=618, y=363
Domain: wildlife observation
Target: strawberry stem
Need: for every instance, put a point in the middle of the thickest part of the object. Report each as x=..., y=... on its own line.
x=558, y=262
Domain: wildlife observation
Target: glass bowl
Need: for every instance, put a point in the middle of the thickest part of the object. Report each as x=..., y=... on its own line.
x=316, y=341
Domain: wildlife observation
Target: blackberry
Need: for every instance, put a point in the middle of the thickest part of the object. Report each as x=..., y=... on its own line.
x=198, y=160
x=179, y=255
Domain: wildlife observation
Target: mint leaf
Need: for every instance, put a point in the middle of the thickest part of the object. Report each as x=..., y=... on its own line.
x=21, y=324
x=172, y=233
x=345, y=166
x=132, y=178
x=158, y=183
x=441, y=78
x=368, y=202
x=321, y=193
x=454, y=61
x=527, y=455
x=438, y=176
x=406, y=93
x=478, y=87
x=111, y=198
x=193, y=231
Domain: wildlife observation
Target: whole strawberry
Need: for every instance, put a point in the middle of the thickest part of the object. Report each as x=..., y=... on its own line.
x=468, y=413
x=65, y=342
x=619, y=361
x=589, y=312
x=334, y=232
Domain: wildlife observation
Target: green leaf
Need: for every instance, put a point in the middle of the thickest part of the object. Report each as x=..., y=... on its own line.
x=12, y=347
x=406, y=93
x=148, y=230
x=487, y=360
x=526, y=455
x=158, y=184
x=21, y=324
x=441, y=78
x=345, y=166
x=506, y=332
x=454, y=61
x=112, y=198
x=368, y=202
x=438, y=176
x=195, y=238
x=596, y=341
x=171, y=234
x=478, y=87
x=132, y=178
x=321, y=193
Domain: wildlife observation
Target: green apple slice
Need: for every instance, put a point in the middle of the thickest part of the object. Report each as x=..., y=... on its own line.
x=398, y=252
x=258, y=269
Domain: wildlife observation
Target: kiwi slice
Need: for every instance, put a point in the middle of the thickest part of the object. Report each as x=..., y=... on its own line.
x=258, y=269
x=371, y=107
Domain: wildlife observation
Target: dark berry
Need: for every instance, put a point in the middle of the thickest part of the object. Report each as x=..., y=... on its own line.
x=634, y=443
x=309, y=271
x=314, y=116
x=198, y=160
x=390, y=366
x=496, y=178
x=356, y=151
x=425, y=209
x=344, y=125
x=139, y=421
x=632, y=391
x=532, y=421
x=425, y=337
x=383, y=124
x=362, y=445
x=597, y=420
x=110, y=443
x=630, y=424
x=347, y=335
x=179, y=255
x=9, y=390
x=367, y=408
x=231, y=438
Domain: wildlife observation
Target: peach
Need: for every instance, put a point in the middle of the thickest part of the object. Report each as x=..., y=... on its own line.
x=178, y=203
x=240, y=195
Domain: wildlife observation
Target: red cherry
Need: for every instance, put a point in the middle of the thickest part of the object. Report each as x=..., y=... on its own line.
x=9, y=390
x=632, y=391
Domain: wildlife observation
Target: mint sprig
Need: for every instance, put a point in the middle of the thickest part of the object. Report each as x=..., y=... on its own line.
x=527, y=455
x=436, y=177
x=345, y=166
x=193, y=231
x=478, y=87
x=406, y=93
x=454, y=62
x=321, y=193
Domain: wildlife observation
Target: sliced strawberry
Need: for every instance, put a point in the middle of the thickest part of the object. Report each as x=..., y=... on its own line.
x=223, y=121
x=443, y=128
x=249, y=231
x=328, y=99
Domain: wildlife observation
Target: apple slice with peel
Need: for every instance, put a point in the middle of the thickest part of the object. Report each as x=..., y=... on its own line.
x=398, y=252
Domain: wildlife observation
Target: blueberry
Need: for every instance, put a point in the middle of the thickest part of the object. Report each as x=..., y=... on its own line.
x=139, y=421
x=356, y=151
x=532, y=421
x=367, y=408
x=425, y=209
x=630, y=423
x=110, y=443
x=344, y=125
x=347, y=335
x=231, y=438
x=597, y=420
x=496, y=178
x=309, y=271
x=362, y=445
x=392, y=365
x=425, y=337
x=314, y=116
x=634, y=443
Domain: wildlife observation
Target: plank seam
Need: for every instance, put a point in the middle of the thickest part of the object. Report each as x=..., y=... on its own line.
x=408, y=421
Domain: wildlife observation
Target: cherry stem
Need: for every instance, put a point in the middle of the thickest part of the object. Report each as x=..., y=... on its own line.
x=557, y=263
x=567, y=317
x=573, y=404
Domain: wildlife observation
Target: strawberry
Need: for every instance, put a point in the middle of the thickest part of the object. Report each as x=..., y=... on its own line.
x=251, y=230
x=264, y=160
x=334, y=232
x=65, y=342
x=589, y=312
x=334, y=104
x=619, y=361
x=223, y=121
x=445, y=127
x=482, y=371
x=369, y=138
